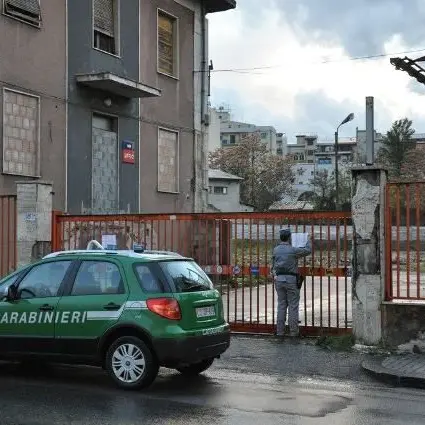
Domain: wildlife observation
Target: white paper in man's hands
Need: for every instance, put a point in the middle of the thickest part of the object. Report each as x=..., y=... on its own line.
x=299, y=240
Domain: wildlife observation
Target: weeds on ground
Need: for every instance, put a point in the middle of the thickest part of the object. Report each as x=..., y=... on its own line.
x=336, y=343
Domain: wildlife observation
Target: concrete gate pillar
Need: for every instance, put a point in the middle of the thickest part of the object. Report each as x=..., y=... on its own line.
x=34, y=209
x=368, y=278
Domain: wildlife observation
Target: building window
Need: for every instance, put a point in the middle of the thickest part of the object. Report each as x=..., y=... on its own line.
x=264, y=135
x=105, y=24
x=232, y=139
x=167, y=44
x=28, y=11
x=220, y=190
x=20, y=133
x=168, y=161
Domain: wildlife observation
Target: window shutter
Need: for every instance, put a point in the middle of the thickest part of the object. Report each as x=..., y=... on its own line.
x=104, y=16
x=166, y=44
x=31, y=7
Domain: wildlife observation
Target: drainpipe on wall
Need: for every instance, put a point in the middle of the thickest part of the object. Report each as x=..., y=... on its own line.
x=203, y=105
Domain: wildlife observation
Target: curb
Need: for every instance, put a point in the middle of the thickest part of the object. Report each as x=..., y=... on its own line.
x=375, y=368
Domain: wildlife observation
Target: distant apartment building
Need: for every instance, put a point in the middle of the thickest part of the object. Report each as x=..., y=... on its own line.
x=232, y=132
x=310, y=150
x=311, y=156
x=360, y=151
x=108, y=100
x=281, y=144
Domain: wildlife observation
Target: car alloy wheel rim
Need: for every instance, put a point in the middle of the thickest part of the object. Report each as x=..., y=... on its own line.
x=128, y=363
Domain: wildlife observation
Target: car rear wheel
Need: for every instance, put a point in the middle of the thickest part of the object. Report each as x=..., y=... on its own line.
x=131, y=364
x=196, y=368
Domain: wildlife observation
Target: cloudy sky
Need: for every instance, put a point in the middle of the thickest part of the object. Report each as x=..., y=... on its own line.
x=293, y=63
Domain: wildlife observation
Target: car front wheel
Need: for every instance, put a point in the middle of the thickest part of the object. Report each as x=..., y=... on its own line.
x=196, y=368
x=131, y=364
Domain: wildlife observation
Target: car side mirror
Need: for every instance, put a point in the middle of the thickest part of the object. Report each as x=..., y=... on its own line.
x=12, y=293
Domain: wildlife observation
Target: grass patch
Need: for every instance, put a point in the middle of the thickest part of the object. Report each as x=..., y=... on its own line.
x=337, y=343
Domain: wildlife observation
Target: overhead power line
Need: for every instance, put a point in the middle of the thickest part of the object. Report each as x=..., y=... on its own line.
x=326, y=61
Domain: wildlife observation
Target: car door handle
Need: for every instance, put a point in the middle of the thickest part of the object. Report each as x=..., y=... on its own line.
x=111, y=306
x=46, y=307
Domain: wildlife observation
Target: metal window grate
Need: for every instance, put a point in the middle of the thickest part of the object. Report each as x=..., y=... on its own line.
x=104, y=16
x=27, y=10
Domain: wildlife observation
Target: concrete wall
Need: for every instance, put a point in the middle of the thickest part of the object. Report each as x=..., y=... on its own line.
x=83, y=58
x=34, y=215
x=214, y=137
x=401, y=322
x=173, y=110
x=229, y=202
x=34, y=62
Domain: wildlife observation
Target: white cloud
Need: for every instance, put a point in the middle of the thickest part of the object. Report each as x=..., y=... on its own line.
x=239, y=39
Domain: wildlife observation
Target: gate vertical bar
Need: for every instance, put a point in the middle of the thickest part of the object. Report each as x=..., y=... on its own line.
x=345, y=277
x=243, y=263
x=337, y=246
x=321, y=277
x=388, y=246
x=312, y=277
x=407, y=194
x=418, y=242
x=398, y=238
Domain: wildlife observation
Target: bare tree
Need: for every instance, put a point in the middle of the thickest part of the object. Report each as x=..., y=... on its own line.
x=267, y=177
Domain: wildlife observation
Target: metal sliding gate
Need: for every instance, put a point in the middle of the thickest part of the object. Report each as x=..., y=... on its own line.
x=235, y=250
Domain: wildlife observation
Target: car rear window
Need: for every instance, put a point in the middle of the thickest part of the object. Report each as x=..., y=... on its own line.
x=186, y=276
x=148, y=278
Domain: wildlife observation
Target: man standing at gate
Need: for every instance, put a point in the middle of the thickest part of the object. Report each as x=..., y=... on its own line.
x=287, y=281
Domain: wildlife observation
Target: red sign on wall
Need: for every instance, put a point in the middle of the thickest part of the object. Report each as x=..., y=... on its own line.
x=128, y=153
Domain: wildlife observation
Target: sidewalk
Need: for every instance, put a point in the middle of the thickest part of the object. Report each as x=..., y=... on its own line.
x=406, y=370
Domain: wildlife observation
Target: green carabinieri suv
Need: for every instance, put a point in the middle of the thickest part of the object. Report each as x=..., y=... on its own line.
x=127, y=312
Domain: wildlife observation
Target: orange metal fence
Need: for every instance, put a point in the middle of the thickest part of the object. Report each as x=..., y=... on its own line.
x=235, y=250
x=7, y=234
x=405, y=241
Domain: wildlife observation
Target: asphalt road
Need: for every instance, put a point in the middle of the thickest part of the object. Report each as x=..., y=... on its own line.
x=275, y=390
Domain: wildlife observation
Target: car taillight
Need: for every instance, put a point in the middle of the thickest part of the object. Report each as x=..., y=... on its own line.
x=165, y=307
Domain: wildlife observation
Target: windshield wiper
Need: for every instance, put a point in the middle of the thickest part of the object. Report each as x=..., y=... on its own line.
x=191, y=285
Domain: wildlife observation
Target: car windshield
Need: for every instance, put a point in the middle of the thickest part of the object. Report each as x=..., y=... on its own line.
x=187, y=276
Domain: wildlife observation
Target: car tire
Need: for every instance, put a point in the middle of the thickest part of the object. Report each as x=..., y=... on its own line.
x=196, y=368
x=131, y=363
